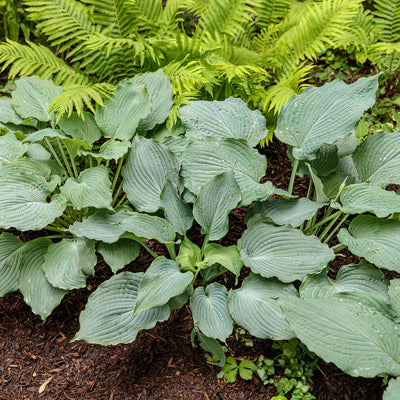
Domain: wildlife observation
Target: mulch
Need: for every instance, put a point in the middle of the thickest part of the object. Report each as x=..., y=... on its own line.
x=40, y=361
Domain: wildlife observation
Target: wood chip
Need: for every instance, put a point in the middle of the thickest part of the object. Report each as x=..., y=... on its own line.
x=44, y=384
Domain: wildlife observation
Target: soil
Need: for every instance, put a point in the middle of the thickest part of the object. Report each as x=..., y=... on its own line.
x=39, y=361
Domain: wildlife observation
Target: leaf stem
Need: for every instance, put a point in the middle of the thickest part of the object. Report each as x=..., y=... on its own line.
x=336, y=228
x=206, y=238
x=293, y=175
x=326, y=219
x=338, y=247
x=122, y=200
x=330, y=225
x=171, y=250
x=117, y=172
x=53, y=152
x=117, y=193
x=64, y=156
x=72, y=162
x=155, y=255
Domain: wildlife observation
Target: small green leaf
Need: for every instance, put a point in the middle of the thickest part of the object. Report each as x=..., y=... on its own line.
x=162, y=281
x=228, y=257
x=246, y=368
x=189, y=255
x=210, y=346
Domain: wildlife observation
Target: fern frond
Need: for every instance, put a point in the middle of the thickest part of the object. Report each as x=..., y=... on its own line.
x=322, y=25
x=385, y=55
x=77, y=97
x=229, y=17
x=33, y=59
x=64, y=22
x=271, y=11
x=171, y=12
x=264, y=43
x=388, y=19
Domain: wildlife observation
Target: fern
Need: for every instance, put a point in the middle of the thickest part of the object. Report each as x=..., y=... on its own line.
x=33, y=59
x=388, y=20
x=271, y=11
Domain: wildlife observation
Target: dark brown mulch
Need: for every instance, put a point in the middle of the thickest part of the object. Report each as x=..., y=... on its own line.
x=39, y=361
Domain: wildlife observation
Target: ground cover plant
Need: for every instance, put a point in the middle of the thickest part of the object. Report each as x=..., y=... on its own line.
x=55, y=178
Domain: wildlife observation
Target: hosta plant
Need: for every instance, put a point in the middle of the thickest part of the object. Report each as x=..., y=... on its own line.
x=119, y=178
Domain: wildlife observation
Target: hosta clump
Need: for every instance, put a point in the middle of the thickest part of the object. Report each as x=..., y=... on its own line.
x=55, y=176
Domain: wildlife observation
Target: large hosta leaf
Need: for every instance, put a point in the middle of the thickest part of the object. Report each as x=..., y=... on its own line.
x=393, y=390
x=162, y=98
x=149, y=227
x=107, y=318
x=161, y=281
x=10, y=258
x=364, y=197
x=286, y=211
x=7, y=112
x=282, y=251
x=176, y=211
x=36, y=289
x=148, y=166
x=210, y=311
x=230, y=118
x=323, y=115
x=120, y=116
x=78, y=128
x=100, y=226
x=33, y=96
x=24, y=204
x=215, y=200
x=377, y=159
x=361, y=278
x=375, y=239
x=204, y=159
x=11, y=148
x=358, y=340
x=68, y=263
x=119, y=254
x=91, y=189
x=254, y=307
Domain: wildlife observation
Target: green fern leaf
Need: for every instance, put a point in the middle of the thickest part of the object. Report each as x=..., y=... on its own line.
x=388, y=19
x=33, y=59
x=271, y=11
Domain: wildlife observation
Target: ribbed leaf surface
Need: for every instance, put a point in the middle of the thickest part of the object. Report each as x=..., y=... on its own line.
x=363, y=197
x=38, y=293
x=161, y=281
x=377, y=240
x=323, y=115
x=377, y=159
x=230, y=118
x=254, y=307
x=202, y=160
x=11, y=148
x=148, y=166
x=107, y=318
x=119, y=254
x=68, y=263
x=120, y=116
x=282, y=251
x=215, y=200
x=210, y=311
x=91, y=189
x=7, y=112
x=10, y=258
x=347, y=333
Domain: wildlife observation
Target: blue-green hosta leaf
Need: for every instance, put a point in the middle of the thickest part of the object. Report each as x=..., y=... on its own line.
x=24, y=204
x=228, y=257
x=119, y=254
x=377, y=159
x=393, y=389
x=176, y=211
x=210, y=311
x=359, y=340
x=335, y=182
x=11, y=148
x=26, y=165
x=107, y=318
x=112, y=149
x=10, y=258
x=286, y=211
x=214, y=352
x=7, y=112
x=33, y=96
x=323, y=115
x=282, y=251
x=101, y=225
x=394, y=295
x=214, y=202
x=162, y=281
x=362, y=278
x=204, y=159
x=177, y=302
x=120, y=116
x=149, y=227
x=230, y=118
x=38, y=136
x=37, y=152
x=162, y=98
x=91, y=189
x=364, y=197
x=377, y=240
x=78, y=128
x=68, y=263
x=254, y=307
x=176, y=144
x=148, y=166
x=38, y=293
